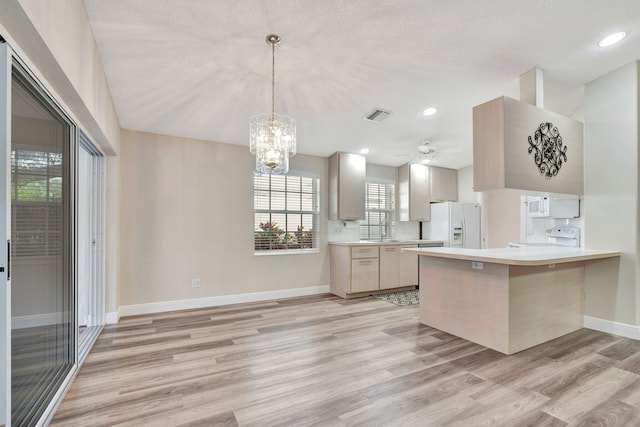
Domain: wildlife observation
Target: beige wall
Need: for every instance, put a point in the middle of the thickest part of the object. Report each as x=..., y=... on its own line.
x=112, y=233
x=611, y=192
x=186, y=211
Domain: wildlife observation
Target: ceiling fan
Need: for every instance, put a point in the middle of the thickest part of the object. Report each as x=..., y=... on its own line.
x=427, y=151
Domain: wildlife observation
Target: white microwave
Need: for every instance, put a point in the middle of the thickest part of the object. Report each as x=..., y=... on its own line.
x=538, y=206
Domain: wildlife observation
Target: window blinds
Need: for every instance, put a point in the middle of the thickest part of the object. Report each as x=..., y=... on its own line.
x=285, y=212
x=379, y=207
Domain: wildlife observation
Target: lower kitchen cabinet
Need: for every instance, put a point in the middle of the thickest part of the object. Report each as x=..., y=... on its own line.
x=396, y=268
x=360, y=270
x=408, y=268
x=364, y=275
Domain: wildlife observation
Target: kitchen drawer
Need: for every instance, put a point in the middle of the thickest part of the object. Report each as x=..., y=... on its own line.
x=364, y=252
x=364, y=275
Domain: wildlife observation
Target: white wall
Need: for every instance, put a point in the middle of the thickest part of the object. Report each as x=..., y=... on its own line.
x=186, y=211
x=465, y=186
x=611, y=192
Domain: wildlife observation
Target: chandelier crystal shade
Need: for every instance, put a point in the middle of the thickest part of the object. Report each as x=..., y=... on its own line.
x=272, y=137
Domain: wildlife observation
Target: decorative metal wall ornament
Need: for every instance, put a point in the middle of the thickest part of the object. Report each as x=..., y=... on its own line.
x=549, y=153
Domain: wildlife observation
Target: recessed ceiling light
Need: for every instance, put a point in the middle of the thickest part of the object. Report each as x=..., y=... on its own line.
x=364, y=151
x=429, y=111
x=612, y=39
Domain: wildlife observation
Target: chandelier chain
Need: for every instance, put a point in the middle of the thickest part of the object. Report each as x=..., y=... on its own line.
x=273, y=80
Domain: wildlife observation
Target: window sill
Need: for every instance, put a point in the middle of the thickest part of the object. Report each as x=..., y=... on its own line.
x=287, y=252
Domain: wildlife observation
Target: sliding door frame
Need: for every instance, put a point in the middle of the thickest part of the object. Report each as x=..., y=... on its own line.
x=97, y=259
x=15, y=64
x=5, y=233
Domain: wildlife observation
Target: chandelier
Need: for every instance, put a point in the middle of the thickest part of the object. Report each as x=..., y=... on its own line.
x=272, y=136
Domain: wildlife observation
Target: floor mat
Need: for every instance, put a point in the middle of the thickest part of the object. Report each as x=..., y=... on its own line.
x=400, y=297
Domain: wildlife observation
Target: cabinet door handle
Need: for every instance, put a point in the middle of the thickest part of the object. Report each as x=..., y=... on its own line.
x=390, y=249
x=365, y=262
x=365, y=249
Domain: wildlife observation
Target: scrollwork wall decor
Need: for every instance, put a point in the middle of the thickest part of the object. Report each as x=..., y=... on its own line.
x=548, y=152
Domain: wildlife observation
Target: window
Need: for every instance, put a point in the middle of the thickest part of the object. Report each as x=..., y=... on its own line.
x=36, y=202
x=379, y=211
x=285, y=212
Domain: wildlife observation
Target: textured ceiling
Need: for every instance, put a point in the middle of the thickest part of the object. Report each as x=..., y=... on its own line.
x=201, y=68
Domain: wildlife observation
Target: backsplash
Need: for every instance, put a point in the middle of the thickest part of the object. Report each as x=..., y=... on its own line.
x=349, y=231
x=344, y=231
x=407, y=230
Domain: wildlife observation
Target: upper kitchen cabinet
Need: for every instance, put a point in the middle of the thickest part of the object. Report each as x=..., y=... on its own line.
x=414, y=192
x=347, y=178
x=443, y=184
x=520, y=146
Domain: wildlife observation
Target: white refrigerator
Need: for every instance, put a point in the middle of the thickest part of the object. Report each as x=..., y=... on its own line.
x=457, y=224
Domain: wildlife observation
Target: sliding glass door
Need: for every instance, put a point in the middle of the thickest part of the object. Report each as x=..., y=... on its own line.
x=43, y=320
x=51, y=246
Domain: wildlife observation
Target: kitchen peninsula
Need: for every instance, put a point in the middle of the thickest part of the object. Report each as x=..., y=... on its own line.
x=507, y=299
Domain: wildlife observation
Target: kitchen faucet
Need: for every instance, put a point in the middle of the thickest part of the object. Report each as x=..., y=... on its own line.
x=383, y=231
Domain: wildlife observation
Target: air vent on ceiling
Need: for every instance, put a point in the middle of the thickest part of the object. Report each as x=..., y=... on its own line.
x=377, y=115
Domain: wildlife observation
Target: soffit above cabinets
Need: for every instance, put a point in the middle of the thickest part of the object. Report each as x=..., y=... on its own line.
x=519, y=146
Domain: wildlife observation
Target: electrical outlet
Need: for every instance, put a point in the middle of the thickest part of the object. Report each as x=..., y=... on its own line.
x=477, y=265
x=195, y=283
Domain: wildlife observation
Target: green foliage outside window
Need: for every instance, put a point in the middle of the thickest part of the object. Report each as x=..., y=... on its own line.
x=273, y=236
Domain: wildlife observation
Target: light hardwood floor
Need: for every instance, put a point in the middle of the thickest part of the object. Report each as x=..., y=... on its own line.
x=325, y=361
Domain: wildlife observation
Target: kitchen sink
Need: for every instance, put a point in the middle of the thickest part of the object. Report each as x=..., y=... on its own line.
x=382, y=241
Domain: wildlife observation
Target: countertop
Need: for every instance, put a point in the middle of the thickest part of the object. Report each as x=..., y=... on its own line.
x=525, y=256
x=387, y=243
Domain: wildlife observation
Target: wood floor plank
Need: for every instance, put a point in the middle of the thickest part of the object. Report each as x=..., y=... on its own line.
x=558, y=381
x=537, y=418
x=443, y=412
x=509, y=410
x=631, y=394
x=578, y=401
x=611, y=413
x=321, y=360
x=386, y=411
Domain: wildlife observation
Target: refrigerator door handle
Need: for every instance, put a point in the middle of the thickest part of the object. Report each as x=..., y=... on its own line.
x=464, y=233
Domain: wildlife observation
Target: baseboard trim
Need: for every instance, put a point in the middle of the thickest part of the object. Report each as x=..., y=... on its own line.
x=186, y=304
x=611, y=327
x=111, y=318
